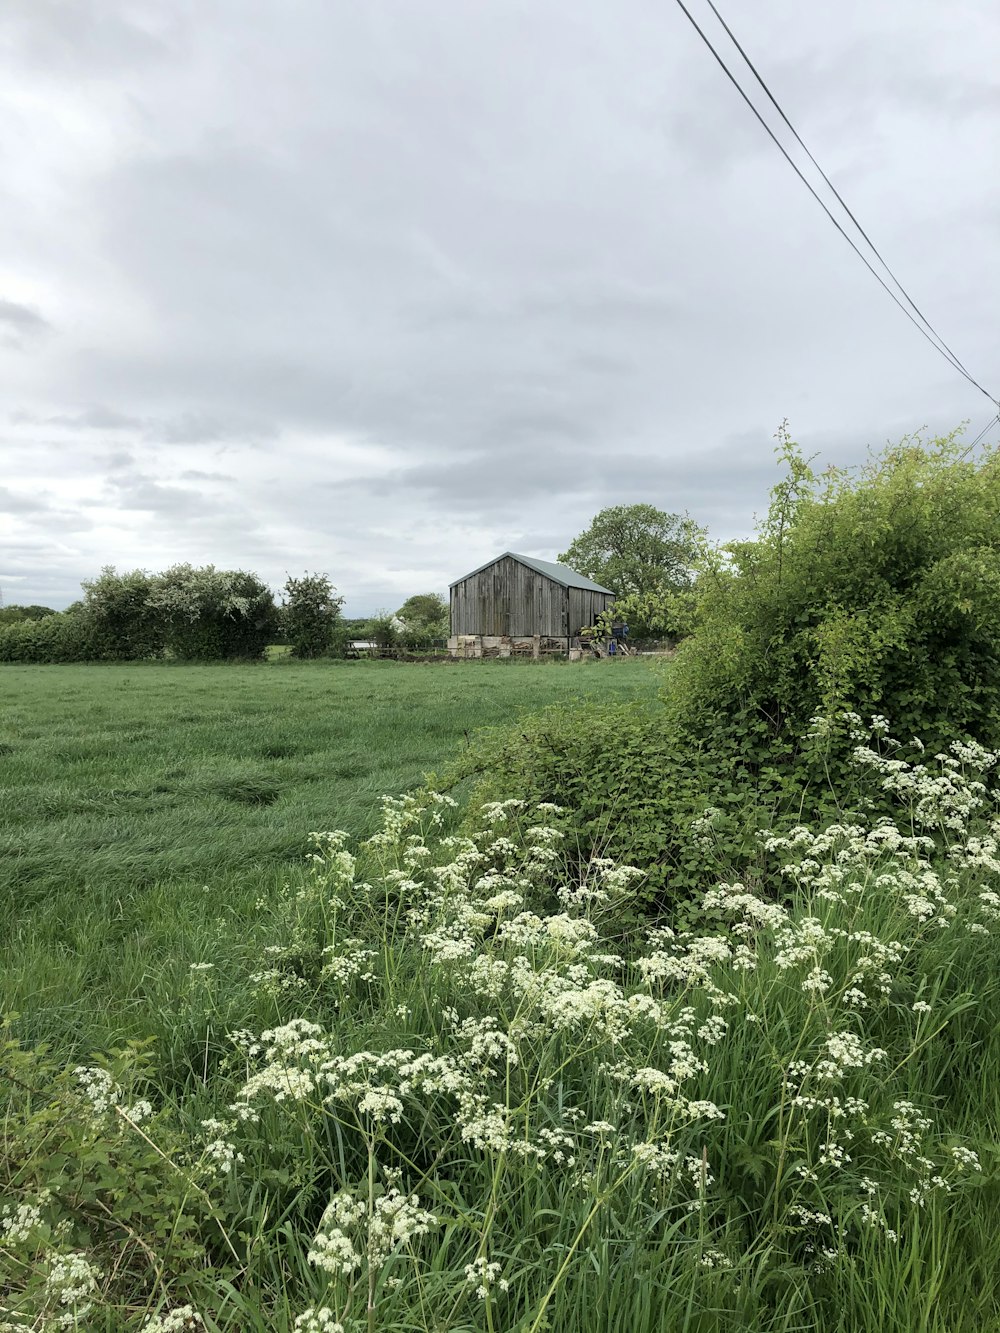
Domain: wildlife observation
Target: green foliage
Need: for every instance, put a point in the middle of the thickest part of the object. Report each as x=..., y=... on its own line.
x=661, y=613
x=422, y=608
x=127, y=626
x=877, y=592
x=627, y=789
x=424, y=618
x=384, y=630
x=97, y=1175
x=310, y=616
x=637, y=549
x=68, y=636
x=212, y=614
x=874, y=593
x=10, y=615
x=196, y=614
x=455, y=1083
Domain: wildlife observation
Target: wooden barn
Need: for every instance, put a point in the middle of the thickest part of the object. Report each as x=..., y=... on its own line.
x=517, y=596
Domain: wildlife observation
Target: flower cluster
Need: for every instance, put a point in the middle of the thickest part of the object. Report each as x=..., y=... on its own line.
x=355, y=1230
x=525, y=957
x=70, y=1286
x=181, y=1319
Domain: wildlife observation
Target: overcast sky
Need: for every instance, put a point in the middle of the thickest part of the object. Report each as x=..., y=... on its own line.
x=382, y=288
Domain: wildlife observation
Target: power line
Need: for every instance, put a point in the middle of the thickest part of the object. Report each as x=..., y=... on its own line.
x=931, y=335
x=840, y=198
x=993, y=421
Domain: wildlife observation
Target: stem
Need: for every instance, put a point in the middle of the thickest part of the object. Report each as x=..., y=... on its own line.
x=371, y=1213
x=553, y=1285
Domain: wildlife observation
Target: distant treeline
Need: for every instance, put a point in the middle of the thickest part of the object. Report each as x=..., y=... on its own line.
x=206, y=614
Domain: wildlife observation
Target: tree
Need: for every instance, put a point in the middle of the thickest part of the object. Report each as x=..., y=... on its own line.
x=126, y=627
x=310, y=615
x=424, y=617
x=383, y=630
x=872, y=593
x=637, y=549
x=13, y=614
x=212, y=614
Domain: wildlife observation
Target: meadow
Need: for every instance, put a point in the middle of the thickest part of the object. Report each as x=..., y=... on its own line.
x=145, y=809
x=433, y=1074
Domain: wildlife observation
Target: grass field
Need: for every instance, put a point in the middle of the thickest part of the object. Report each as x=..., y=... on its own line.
x=457, y=1085
x=144, y=810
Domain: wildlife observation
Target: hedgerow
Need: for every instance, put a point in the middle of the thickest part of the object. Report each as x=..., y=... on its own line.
x=69, y=636
x=876, y=592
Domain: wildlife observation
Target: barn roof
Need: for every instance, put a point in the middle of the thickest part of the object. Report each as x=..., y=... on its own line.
x=569, y=578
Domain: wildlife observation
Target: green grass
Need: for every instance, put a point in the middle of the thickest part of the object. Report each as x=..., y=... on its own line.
x=146, y=809
x=706, y=1133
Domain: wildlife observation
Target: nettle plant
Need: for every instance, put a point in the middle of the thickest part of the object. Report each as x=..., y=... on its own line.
x=489, y=1101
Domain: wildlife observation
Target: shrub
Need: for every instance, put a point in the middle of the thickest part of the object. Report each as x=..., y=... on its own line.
x=874, y=593
x=212, y=614
x=126, y=626
x=68, y=636
x=383, y=630
x=877, y=592
x=10, y=615
x=627, y=791
x=662, y=613
x=310, y=616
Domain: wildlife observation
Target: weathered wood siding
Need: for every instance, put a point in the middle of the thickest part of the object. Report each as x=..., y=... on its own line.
x=585, y=606
x=509, y=598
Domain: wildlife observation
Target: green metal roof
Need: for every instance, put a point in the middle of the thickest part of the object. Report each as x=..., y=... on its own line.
x=569, y=578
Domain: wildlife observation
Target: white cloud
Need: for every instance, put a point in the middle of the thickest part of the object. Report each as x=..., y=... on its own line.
x=382, y=289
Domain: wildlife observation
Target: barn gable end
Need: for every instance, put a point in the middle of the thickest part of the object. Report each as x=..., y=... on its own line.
x=517, y=596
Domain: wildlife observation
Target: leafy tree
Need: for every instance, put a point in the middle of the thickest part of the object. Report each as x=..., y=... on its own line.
x=10, y=615
x=637, y=549
x=310, y=616
x=424, y=617
x=383, y=630
x=126, y=626
x=662, y=613
x=211, y=614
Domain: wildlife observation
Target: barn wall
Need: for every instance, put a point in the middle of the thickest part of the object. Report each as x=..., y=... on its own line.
x=585, y=606
x=509, y=598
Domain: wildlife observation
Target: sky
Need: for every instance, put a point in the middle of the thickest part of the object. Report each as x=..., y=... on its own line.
x=383, y=288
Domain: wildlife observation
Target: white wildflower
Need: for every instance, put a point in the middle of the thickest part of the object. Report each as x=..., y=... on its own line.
x=17, y=1225
x=318, y=1319
x=181, y=1319
x=72, y=1281
x=484, y=1275
x=99, y=1088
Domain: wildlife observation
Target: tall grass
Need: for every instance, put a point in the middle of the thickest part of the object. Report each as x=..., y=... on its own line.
x=460, y=1091
x=146, y=810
